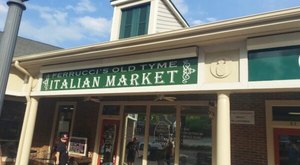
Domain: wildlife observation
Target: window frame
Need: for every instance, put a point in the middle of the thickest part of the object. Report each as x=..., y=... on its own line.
x=137, y=24
x=55, y=121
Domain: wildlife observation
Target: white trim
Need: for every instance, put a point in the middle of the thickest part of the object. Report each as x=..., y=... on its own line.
x=275, y=84
x=176, y=13
x=263, y=86
x=15, y=93
x=152, y=24
x=243, y=64
x=122, y=2
x=201, y=66
x=115, y=25
x=274, y=41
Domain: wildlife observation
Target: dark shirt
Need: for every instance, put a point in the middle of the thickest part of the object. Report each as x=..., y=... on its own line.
x=132, y=149
x=63, y=153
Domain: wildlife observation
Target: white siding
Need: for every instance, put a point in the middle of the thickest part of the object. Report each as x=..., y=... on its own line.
x=165, y=19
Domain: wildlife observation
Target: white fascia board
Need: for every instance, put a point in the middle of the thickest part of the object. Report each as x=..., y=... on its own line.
x=274, y=41
x=14, y=93
x=276, y=84
x=120, y=2
x=175, y=11
x=236, y=87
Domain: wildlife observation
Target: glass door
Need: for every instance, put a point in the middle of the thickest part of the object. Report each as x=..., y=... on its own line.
x=108, y=142
x=287, y=146
x=162, y=135
x=134, y=127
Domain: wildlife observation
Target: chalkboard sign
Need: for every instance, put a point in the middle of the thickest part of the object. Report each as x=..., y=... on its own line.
x=77, y=146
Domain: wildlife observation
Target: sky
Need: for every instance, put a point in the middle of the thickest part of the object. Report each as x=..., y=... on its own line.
x=76, y=23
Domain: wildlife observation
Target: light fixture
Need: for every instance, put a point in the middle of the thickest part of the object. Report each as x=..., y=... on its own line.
x=294, y=113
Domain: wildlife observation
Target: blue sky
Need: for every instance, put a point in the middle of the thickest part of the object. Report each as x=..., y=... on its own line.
x=74, y=23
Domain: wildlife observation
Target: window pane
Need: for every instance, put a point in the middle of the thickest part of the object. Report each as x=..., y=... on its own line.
x=10, y=127
x=274, y=64
x=289, y=149
x=134, y=127
x=286, y=113
x=111, y=110
x=134, y=21
x=143, y=20
x=195, y=136
x=65, y=116
x=161, y=135
x=128, y=23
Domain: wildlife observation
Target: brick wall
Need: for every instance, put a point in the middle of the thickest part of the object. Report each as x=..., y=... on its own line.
x=249, y=141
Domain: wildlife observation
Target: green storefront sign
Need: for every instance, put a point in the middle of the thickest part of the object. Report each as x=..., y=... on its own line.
x=274, y=64
x=170, y=72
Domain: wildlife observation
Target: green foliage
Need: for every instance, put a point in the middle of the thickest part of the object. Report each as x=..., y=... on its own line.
x=201, y=124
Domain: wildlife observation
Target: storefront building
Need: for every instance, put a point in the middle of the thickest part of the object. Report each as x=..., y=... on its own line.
x=225, y=93
x=11, y=118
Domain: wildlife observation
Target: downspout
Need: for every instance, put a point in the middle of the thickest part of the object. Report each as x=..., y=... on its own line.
x=28, y=104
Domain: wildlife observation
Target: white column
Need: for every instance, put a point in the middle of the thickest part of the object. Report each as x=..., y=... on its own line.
x=223, y=130
x=29, y=132
x=22, y=136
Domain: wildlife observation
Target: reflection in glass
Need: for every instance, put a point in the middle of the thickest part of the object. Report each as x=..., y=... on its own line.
x=161, y=135
x=195, y=136
x=111, y=110
x=289, y=149
x=65, y=117
x=109, y=138
x=11, y=121
x=134, y=126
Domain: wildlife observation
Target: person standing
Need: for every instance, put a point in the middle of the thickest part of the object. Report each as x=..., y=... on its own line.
x=62, y=156
x=132, y=149
x=169, y=151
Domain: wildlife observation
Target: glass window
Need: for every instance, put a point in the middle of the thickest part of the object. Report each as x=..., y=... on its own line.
x=286, y=146
x=134, y=126
x=134, y=21
x=161, y=135
x=274, y=64
x=64, y=119
x=11, y=121
x=109, y=141
x=286, y=113
x=195, y=136
x=289, y=149
x=111, y=110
